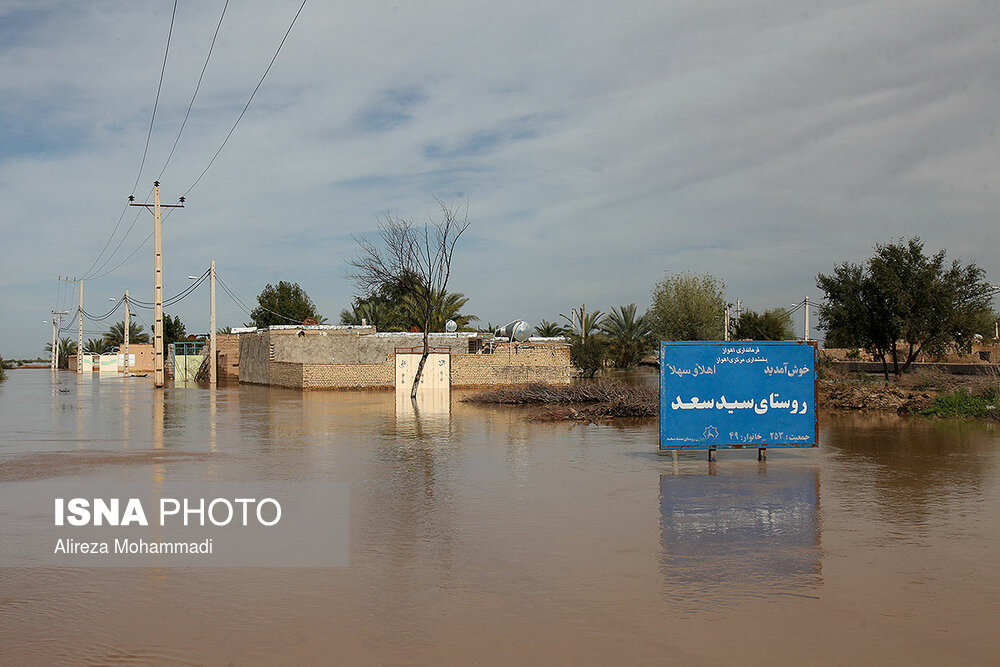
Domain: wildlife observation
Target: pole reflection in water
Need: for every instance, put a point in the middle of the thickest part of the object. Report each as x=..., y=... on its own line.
x=740, y=529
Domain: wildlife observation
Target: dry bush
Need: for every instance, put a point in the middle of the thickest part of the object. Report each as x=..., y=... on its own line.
x=602, y=391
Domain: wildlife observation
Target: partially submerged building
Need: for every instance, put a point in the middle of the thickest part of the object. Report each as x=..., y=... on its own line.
x=350, y=357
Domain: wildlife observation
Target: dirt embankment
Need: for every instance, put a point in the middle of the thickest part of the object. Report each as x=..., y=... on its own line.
x=841, y=396
x=605, y=400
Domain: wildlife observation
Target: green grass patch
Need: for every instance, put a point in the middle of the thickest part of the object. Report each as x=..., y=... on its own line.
x=961, y=403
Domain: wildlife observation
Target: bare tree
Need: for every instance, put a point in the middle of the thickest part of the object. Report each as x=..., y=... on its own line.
x=411, y=259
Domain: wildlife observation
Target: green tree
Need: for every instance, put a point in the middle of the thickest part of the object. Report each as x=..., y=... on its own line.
x=3, y=370
x=588, y=354
x=629, y=337
x=115, y=336
x=687, y=306
x=584, y=324
x=588, y=347
x=447, y=306
x=902, y=302
x=774, y=324
x=376, y=312
x=65, y=348
x=173, y=330
x=224, y=330
x=286, y=303
x=405, y=313
x=548, y=329
x=96, y=346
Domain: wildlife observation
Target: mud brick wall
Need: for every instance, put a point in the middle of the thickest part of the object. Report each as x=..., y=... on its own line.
x=317, y=344
x=542, y=363
x=255, y=358
x=346, y=376
x=229, y=356
x=286, y=374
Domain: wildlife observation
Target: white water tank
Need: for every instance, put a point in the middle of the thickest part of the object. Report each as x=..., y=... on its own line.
x=518, y=330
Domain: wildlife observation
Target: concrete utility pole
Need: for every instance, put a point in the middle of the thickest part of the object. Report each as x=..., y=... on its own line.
x=212, y=370
x=52, y=349
x=128, y=325
x=726, y=336
x=59, y=314
x=79, y=334
x=739, y=310
x=805, y=335
x=57, y=327
x=157, y=279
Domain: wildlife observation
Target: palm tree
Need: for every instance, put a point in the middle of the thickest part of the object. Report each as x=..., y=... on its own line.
x=629, y=337
x=96, y=346
x=67, y=346
x=448, y=306
x=375, y=312
x=224, y=330
x=115, y=336
x=550, y=329
x=590, y=323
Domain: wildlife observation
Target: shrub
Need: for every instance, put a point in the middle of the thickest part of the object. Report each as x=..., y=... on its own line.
x=961, y=403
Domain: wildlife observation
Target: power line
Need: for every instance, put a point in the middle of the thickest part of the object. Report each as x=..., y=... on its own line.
x=156, y=102
x=142, y=163
x=119, y=264
x=137, y=248
x=107, y=314
x=121, y=217
x=247, y=106
x=121, y=241
x=246, y=308
x=196, y=89
x=175, y=298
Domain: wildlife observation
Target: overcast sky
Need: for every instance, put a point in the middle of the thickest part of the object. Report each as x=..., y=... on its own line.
x=599, y=145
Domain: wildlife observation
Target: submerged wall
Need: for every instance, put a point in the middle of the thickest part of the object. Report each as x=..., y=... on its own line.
x=323, y=357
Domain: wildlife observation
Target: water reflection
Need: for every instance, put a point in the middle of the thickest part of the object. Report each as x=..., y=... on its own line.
x=429, y=416
x=912, y=471
x=742, y=529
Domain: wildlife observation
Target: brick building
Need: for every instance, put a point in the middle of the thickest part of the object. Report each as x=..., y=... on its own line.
x=345, y=357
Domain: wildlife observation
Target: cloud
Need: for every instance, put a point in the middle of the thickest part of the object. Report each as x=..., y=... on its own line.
x=598, y=147
x=391, y=109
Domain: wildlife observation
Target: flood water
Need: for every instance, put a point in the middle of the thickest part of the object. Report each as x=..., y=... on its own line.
x=477, y=537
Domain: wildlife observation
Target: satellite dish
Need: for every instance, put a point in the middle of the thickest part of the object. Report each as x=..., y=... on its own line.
x=450, y=326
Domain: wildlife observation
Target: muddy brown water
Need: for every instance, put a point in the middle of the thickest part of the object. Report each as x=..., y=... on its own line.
x=478, y=537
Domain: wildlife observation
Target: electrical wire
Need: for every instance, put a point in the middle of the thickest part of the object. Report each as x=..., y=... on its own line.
x=247, y=106
x=108, y=314
x=121, y=217
x=175, y=298
x=196, y=89
x=66, y=327
x=235, y=298
x=227, y=289
x=159, y=86
x=137, y=248
x=156, y=102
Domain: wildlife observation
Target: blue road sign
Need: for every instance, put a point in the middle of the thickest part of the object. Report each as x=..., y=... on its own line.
x=716, y=395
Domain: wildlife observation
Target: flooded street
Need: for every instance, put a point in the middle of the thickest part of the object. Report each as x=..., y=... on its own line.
x=477, y=537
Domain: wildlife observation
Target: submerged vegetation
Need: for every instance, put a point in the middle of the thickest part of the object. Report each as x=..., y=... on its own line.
x=962, y=403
